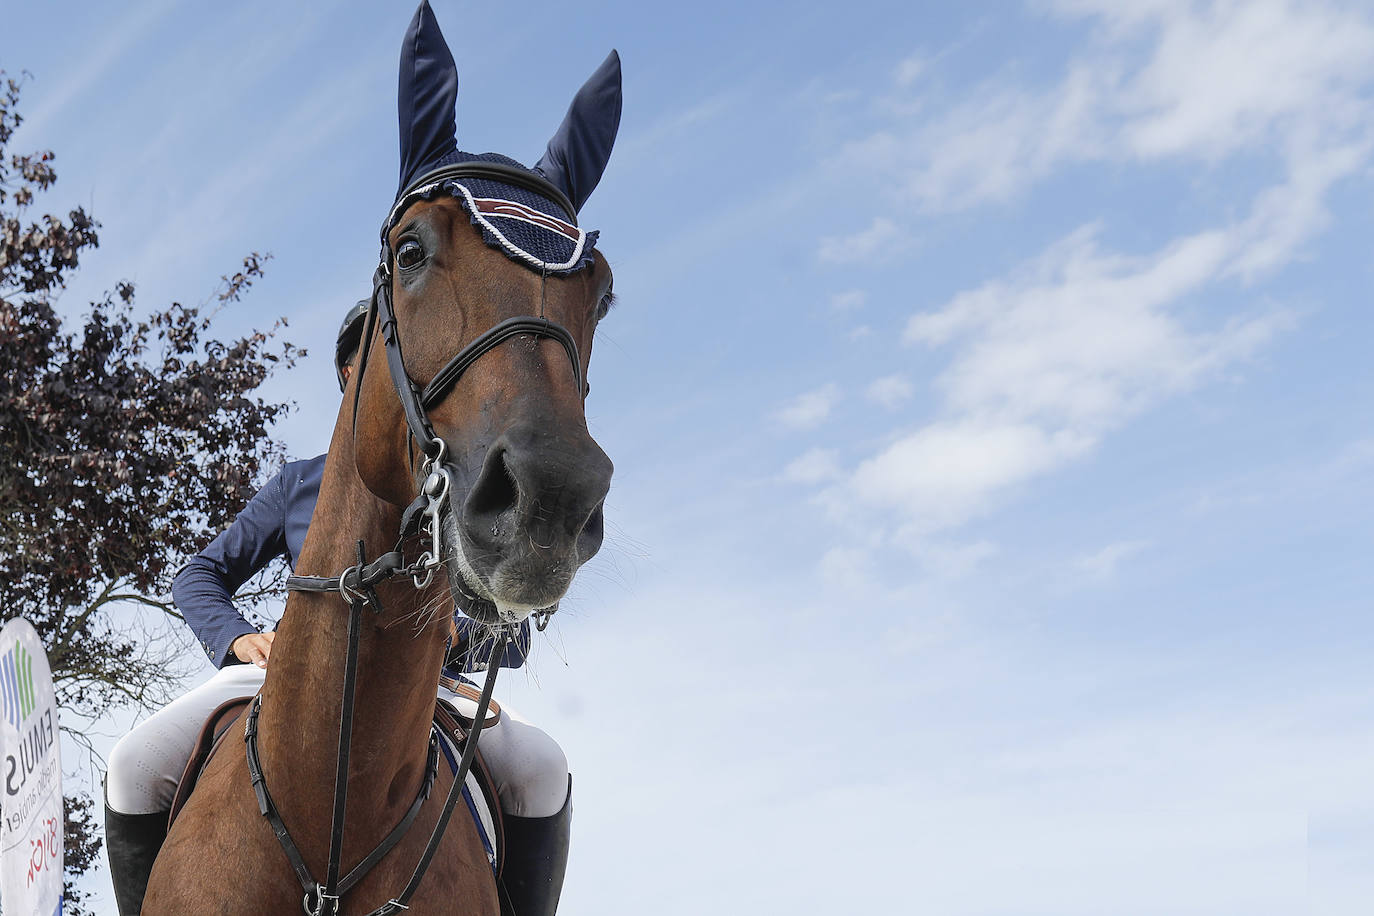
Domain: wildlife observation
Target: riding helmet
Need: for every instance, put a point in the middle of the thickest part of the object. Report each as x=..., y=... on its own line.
x=350, y=335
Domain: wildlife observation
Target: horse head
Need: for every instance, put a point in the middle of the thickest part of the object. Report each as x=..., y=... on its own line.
x=484, y=309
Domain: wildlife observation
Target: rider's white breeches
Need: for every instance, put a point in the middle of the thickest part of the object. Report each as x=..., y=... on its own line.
x=528, y=767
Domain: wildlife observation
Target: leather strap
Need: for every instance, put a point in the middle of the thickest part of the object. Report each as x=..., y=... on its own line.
x=468, y=692
x=356, y=579
x=455, y=792
x=336, y=836
x=267, y=807
x=446, y=377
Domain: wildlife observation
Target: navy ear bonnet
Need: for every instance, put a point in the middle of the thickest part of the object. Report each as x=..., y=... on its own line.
x=528, y=214
x=530, y=224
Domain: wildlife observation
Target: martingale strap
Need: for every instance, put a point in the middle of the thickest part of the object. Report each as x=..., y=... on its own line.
x=268, y=808
x=323, y=900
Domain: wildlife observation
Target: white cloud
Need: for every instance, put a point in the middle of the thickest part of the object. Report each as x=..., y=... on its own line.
x=1085, y=337
x=1046, y=360
x=815, y=466
x=1102, y=563
x=990, y=147
x=811, y=409
x=944, y=474
x=1215, y=79
x=848, y=300
x=891, y=390
x=1044, y=363
x=948, y=561
x=880, y=241
x=1228, y=75
x=861, y=332
x=843, y=565
x=909, y=70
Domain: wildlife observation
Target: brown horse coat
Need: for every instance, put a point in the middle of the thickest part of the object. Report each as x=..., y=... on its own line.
x=515, y=416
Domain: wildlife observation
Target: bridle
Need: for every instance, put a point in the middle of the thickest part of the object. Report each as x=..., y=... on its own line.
x=417, y=401
x=357, y=584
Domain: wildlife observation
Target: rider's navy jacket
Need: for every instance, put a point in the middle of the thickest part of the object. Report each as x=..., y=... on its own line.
x=273, y=524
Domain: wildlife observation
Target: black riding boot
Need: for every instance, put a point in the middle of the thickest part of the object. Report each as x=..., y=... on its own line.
x=536, y=859
x=131, y=843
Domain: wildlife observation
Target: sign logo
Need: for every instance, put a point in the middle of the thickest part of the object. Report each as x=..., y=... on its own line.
x=16, y=678
x=31, y=773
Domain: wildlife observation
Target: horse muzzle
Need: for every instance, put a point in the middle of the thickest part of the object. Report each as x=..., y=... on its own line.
x=531, y=518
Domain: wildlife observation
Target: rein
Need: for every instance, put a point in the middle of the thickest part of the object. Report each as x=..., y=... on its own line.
x=357, y=584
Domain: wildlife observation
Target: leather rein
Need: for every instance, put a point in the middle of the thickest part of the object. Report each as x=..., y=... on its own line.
x=357, y=584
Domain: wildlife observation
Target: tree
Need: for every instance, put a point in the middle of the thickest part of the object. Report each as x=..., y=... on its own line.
x=126, y=442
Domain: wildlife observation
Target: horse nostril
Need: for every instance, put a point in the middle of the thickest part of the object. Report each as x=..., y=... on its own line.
x=494, y=493
x=594, y=529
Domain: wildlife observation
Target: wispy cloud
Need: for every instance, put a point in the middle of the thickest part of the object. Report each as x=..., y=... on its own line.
x=909, y=70
x=951, y=560
x=848, y=300
x=1217, y=79
x=1044, y=363
x=944, y=474
x=1222, y=77
x=815, y=466
x=1046, y=360
x=891, y=391
x=134, y=24
x=811, y=409
x=660, y=137
x=1102, y=563
x=882, y=240
x=328, y=114
x=1082, y=338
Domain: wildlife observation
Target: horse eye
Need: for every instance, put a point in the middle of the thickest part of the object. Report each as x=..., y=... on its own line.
x=410, y=254
x=604, y=306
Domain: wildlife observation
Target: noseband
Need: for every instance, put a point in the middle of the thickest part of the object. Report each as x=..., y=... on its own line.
x=357, y=584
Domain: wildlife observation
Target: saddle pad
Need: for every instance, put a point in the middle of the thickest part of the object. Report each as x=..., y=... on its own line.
x=479, y=792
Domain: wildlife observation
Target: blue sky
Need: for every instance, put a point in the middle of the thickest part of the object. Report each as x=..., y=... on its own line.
x=989, y=396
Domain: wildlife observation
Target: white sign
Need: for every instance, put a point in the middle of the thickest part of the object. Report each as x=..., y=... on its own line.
x=31, y=777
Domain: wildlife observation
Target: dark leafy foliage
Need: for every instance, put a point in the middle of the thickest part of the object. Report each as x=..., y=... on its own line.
x=126, y=442
x=80, y=851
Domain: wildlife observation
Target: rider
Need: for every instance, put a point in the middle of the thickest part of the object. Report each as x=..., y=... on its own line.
x=528, y=766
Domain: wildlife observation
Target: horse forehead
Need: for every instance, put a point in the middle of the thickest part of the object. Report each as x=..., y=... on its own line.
x=445, y=214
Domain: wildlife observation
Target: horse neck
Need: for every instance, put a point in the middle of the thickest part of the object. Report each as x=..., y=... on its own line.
x=398, y=665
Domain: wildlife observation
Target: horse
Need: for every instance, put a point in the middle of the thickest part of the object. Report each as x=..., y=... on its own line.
x=512, y=487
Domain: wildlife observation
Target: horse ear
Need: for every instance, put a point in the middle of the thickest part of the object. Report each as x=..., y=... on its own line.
x=578, y=153
x=427, y=92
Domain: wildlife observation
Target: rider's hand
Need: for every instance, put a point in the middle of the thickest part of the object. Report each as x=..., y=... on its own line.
x=254, y=647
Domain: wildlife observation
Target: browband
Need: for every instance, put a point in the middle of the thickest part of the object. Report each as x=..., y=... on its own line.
x=478, y=168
